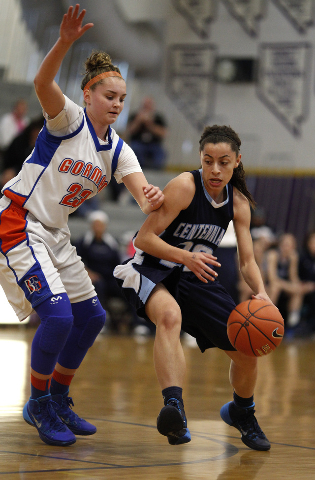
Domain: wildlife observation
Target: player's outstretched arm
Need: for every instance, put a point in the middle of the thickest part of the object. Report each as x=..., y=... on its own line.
x=49, y=94
x=178, y=195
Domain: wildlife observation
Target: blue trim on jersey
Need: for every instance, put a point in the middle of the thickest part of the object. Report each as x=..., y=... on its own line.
x=47, y=144
x=213, y=203
x=56, y=139
x=146, y=288
x=116, y=155
x=37, y=180
x=9, y=189
x=98, y=146
x=45, y=148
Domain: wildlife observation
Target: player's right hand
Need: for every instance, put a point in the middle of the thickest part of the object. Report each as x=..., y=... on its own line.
x=199, y=263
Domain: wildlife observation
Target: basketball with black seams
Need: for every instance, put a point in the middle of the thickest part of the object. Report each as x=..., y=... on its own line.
x=255, y=327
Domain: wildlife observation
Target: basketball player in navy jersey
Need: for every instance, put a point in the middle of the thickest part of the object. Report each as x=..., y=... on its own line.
x=171, y=280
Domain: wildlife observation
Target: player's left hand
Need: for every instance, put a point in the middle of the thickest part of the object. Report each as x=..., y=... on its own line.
x=71, y=27
x=263, y=296
x=154, y=196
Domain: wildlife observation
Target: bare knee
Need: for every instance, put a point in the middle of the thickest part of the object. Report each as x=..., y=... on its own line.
x=170, y=320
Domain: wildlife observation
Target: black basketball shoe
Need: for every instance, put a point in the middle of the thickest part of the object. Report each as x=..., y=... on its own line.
x=245, y=421
x=172, y=422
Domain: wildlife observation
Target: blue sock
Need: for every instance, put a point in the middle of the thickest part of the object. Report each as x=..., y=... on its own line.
x=49, y=339
x=57, y=387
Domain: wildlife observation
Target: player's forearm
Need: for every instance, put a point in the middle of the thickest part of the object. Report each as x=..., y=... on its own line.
x=253, y=278
x=51, y=64
x=155, y=246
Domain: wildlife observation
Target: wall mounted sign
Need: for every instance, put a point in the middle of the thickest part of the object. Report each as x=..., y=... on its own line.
x=283, y=81
x=190, y=81
x=248, y=13
x=301, y=13
x=198, y=13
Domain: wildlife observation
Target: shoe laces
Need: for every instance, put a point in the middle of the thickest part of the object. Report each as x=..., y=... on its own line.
x=174, y=403
x=65, y=410
x=69, y=402
x=249, y=423
x=50, y=417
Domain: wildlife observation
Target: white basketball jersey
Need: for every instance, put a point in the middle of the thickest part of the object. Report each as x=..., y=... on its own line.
x=68, y=165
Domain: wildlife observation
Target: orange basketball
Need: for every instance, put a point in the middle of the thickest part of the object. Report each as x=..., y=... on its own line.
x=255, y=327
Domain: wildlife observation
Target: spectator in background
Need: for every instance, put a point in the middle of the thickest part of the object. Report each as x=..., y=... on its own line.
x=100, y=254
x=259, y=227
x=307, y=274
x=19, y=149
x=260, y=247
x=285, y=288
x=263, y=238
x=146, y=131
x=13, y=123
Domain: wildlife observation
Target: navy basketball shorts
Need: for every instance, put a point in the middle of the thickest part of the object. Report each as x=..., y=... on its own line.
x=205, y=311
x=205, y=307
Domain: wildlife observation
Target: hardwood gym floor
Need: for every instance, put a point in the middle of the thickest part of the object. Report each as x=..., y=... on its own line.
x=116, y=389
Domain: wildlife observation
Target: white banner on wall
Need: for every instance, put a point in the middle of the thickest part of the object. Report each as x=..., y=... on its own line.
x=198, y=13
x=284, y=71
x=190, y=82
x=247, y=12
x=301, y=13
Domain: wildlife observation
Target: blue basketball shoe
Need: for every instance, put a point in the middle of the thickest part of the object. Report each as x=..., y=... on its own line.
x=172, y=422
x=63, y=407
x=40, y=414
x=245, y=421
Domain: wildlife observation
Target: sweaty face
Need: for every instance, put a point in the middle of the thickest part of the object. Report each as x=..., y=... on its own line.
x=106, y=101
x=218, y=162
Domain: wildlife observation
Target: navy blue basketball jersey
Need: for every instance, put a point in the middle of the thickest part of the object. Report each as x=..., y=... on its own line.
x=198, y=228
x=201, y=226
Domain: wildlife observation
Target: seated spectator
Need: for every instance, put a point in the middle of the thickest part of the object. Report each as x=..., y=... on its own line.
x=307, y=274
x=19, y=149
x=13, y=123
x=146, y=131
x=259, y=227
x=100, y=253
x=263, y=238
x=285, y=288
x=260, y=246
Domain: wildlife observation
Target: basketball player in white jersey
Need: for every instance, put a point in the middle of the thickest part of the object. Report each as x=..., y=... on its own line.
x=75, y=156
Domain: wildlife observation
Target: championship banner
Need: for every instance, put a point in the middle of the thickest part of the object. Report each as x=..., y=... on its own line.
x=301, y=13
x=190, y=81
x=198, y=13
x=283, y=81
x=248, y=13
